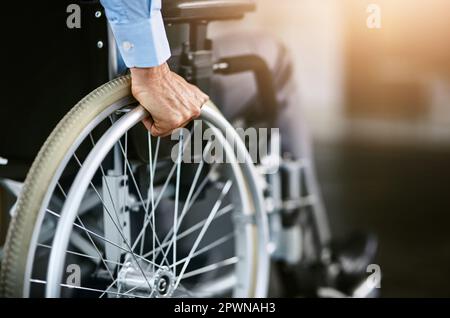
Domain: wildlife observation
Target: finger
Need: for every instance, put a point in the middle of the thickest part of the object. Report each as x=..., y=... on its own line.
x=199, y=93
x=156, y=132
x=148, y=123
x=170, y=132
x=203, y=100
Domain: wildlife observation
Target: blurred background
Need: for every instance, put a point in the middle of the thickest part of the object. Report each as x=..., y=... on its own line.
x=377, y=101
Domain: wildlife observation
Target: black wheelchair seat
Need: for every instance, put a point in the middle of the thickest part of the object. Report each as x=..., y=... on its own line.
x=182, y=11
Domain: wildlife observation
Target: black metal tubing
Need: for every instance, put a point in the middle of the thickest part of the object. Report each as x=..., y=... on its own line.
x=186, y=11
x=264, y=80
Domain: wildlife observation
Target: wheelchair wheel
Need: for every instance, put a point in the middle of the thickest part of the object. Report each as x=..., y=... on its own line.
x=109, y=211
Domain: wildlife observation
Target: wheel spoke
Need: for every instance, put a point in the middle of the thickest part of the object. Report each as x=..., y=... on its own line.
x=99, y=196
x=158, y=200
x=82, y=255
x=88, y=235
x=203, y=250
x=194, y=228
x=209, y=247
x=151, y=195
x=103, y=238
x=188, y=204
x=212, y=267
x=142, y=202
x=152, y=172
x=175, y=230
x=192, y=201
x=177, y=197
x=38, y=281
x=158, y=141
x=205, y=227
x=114, y=222
x=153, y=159
x=115, y=210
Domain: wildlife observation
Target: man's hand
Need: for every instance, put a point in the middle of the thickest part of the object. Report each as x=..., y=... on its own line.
x=171, y=101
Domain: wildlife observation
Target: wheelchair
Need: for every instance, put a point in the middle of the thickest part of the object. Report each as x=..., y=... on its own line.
x=107, y=210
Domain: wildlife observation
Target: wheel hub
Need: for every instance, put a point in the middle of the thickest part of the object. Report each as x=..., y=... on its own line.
x=164, y=283
x=158, y=284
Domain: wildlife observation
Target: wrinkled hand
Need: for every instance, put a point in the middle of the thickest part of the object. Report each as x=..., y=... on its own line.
x=171, y=101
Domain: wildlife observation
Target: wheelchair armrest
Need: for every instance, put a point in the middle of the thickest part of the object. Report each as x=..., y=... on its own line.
x=207, y=10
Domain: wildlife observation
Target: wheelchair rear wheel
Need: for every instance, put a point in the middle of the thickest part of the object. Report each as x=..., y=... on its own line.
x=108, y=211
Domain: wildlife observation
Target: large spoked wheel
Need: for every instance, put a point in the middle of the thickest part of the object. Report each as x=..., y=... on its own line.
x=109, y=211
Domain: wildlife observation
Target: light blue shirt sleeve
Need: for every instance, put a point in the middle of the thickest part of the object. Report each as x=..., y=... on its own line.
x=138, y=28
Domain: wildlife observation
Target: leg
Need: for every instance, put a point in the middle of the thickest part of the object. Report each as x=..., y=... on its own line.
x=294, y=134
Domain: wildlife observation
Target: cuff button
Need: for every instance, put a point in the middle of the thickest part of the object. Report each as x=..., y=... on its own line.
x=127, y=46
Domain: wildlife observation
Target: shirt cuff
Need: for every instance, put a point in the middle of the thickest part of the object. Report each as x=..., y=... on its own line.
x=144, y=43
